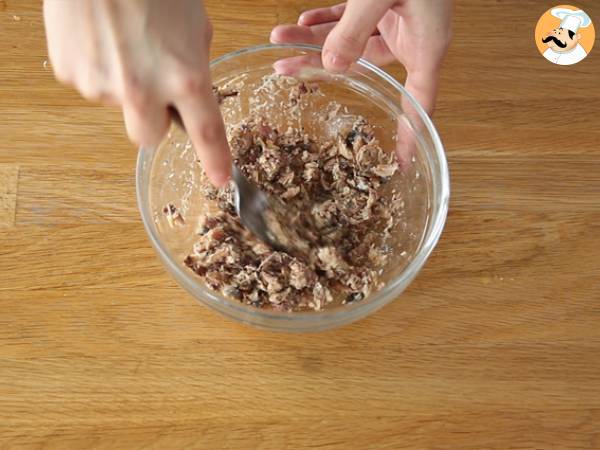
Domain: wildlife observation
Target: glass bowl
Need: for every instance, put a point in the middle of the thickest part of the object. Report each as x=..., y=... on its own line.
x=169, y=174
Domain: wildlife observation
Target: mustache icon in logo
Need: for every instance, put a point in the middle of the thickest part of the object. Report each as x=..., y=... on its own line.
x=557, y=41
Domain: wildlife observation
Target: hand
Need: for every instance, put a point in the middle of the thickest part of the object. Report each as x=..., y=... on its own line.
x=414, y=32
x=147, y=56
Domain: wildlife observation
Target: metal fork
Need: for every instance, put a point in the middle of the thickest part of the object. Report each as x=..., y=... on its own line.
x=252, y=205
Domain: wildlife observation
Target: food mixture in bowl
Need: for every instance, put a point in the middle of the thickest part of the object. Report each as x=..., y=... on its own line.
x=338, y=185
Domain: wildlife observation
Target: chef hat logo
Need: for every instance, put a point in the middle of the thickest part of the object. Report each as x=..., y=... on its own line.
x=571, y=19
x=565, y=35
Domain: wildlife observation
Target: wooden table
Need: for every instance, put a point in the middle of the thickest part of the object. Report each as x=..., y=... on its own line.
x=496, y=345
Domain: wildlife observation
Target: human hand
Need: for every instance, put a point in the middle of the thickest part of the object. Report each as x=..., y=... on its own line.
x=414, y=32
x=147, y=56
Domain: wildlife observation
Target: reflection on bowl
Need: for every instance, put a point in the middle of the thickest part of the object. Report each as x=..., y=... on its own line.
x=169, y=174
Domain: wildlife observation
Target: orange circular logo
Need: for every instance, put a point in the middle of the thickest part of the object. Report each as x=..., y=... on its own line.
x=565, y=35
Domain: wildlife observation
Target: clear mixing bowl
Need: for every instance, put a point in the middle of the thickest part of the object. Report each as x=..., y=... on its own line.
x=169, y=174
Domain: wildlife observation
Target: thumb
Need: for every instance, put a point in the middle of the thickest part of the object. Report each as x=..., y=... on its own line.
x=348, y=39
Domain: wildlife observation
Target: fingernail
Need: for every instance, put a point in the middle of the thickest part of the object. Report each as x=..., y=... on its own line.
x=281, y=68
x=336, y=63
x=273, y=37
x=277, y=67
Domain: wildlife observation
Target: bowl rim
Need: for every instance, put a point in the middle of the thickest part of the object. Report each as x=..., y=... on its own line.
x=326, y=318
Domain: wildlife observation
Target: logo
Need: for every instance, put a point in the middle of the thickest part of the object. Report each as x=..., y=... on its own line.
x=565, y=35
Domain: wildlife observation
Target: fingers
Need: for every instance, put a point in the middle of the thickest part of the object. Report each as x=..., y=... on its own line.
x=322, y=15
x=423, y=85
x=406, y=143
x=305, y=66
x=145, y=125
x=376, y=50
x=204, y=124
x=315, y=34
x=56, y=53
x=94, y=48
x=347, y=41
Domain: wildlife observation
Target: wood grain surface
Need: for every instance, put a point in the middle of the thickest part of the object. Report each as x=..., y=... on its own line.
x=496, y=345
